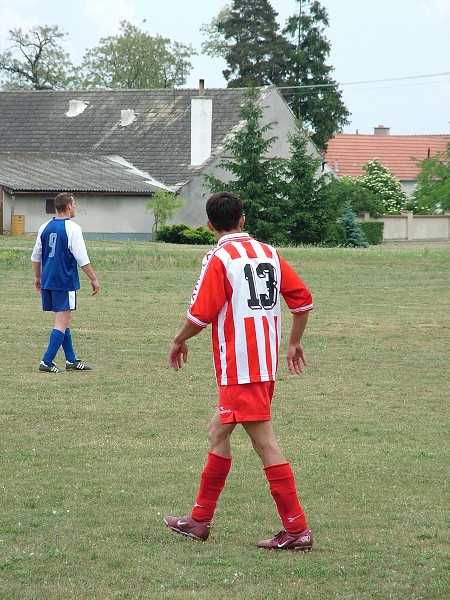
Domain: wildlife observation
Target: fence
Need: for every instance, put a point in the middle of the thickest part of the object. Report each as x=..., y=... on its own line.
x=408, y=227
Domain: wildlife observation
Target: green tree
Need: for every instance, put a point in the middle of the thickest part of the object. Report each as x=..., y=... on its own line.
x=309, y=211
x=361, y=197
x=257, y=180
x=135, y=60
x=163, y=205
x=432, y=191
x=283, y=198
x=247, y=35
x=355, y=235
x=314, y=95
x=36, y=60
x=385, y=186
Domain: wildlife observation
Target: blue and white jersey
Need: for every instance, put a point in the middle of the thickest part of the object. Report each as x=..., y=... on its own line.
x=60, y=248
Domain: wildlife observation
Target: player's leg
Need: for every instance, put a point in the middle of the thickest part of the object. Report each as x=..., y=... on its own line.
x=61, y=321
x=67, y=344
x=219, y=435
x=212, y=482
x=279, y=474
x=59, y=303
x=62, y=318
x=264, y=442
x=218, y=465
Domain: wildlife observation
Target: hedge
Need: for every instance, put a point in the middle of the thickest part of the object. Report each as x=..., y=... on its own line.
x=373, y=230
x=182, y=234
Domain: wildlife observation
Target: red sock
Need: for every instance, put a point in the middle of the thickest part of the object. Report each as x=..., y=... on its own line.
x=211, y=484
x=282, y=488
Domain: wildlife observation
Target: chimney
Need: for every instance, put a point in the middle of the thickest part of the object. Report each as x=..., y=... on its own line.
x=127, y=116
x=201, y=126
x=76, y=107
x=381, y=130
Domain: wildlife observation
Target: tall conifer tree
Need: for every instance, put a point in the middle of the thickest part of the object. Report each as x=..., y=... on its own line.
x=247, y=35
x=314, y=97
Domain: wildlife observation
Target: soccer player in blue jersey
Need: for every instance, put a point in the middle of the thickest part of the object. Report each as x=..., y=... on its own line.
x=58, y=251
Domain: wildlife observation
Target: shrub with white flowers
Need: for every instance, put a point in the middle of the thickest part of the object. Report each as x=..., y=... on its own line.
x=385, y=185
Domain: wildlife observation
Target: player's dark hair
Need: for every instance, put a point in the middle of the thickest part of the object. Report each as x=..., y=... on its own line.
x=224, y=210
x=62, y=201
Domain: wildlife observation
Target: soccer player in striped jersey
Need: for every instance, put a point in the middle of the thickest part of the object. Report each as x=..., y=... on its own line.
x=58, y=251
x=238, y=294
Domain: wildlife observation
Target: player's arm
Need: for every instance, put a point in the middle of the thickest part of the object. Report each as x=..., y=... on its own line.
x=37, y=276
x=36, y=258
x=179, y=350
x=295, y=355
x=78, y=248
x=94, y=281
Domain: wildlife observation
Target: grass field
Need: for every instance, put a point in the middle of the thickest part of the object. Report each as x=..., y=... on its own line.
x=91, y=462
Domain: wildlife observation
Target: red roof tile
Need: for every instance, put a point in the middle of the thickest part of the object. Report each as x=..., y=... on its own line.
x=347, y=153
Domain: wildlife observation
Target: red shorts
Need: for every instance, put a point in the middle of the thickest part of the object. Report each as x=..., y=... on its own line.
x=245, y=402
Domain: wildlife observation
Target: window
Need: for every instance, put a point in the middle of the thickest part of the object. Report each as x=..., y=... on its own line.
x=49, y=206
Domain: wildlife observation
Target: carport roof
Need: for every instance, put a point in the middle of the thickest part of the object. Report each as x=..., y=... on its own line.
x=56, y=172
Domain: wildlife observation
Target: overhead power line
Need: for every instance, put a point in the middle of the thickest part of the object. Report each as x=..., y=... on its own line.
x=303, y=87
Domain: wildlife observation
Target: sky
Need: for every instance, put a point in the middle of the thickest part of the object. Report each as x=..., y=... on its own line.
x=391, y=58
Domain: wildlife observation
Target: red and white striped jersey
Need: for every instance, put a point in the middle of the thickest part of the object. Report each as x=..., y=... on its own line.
x=238, y=292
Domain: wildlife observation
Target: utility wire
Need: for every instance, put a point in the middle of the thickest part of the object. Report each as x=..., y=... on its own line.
x=297, y=87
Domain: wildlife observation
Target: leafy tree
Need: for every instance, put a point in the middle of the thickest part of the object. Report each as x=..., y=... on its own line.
x=36, y=60
x=432, y=191
x=315, y=96
x=135, y=60
x=164, y=206
x=257, y=180
x=361, y=197
x=246, y=35
x=355, y=235
x=385, y=186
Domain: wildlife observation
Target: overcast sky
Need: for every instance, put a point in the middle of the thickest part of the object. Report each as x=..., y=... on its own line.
x=391, y=57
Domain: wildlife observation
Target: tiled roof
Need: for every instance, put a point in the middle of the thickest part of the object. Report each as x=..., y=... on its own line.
x=46, y=172
x=347, y=153
x=157, y=141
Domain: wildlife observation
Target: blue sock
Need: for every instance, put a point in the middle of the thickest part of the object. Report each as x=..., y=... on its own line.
x=56, y=339
x=68, y=347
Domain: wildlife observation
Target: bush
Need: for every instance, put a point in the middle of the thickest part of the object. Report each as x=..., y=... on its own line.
x=182, y=234
x=334, y=235
x=170, y=233
x=373, y=231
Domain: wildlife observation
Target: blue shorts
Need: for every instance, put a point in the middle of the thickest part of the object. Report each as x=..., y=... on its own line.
x=57, y=301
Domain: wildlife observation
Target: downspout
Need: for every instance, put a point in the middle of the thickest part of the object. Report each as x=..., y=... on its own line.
x=1, y=210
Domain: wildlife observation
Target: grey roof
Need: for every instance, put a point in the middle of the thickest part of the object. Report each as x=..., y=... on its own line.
x=47, y=172
x=156, y=142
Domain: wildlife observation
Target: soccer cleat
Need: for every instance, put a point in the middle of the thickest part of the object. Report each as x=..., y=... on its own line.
x=284, y=540
x=189, y=526
x=77, y=366
x=51, y=368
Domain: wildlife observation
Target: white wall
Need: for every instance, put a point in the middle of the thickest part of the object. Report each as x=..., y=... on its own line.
x=104, y=214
